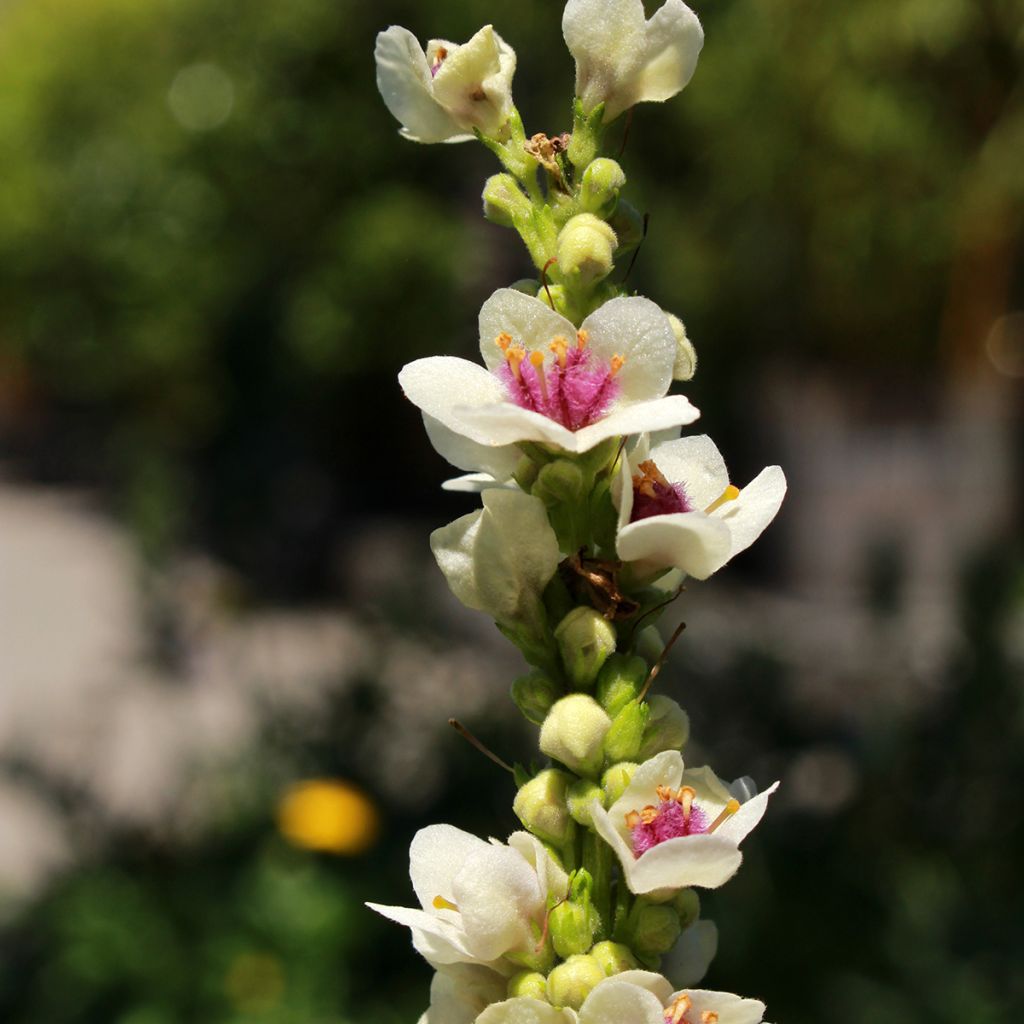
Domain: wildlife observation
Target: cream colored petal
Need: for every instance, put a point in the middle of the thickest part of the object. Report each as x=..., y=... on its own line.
x=441, y=386
x=458, y=994
x=434, y=857
x=439, y=941
x=550, y=876
x=656, y=984
x=608, y=829
x=749, y=514
x=739, y=826
x=664, y=769
x=690, y=541
x=461, y=452
x=403, y=79
x=474, y=82
x=638, y=418
x=637, y=330
x=454, y=549
x=504, y=424
x=615, y=1001
x=707, y=861
x=607, y=39
x=711, y=790
x=472, y=483
x=730, y=1009
x=697, y=464
x=525, y=1011
x=531, y=323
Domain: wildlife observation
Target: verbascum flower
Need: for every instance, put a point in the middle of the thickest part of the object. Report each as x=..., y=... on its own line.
x=545, y=381
x=480, y=901
x=459, y=993
x=673, y=828
x=623, y=58
x=636, y=997
x=443, y=93
x=678, y=510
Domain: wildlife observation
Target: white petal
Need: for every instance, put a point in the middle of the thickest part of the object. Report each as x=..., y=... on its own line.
x=531, y=322
x=637, y=418
x=615, y=1001
x=657, y=984
x=525, y=1011
x=664, y=769
x=749, y=514
x=690, y=541
x=738, y=826
x=697, y=464
x=707, y=861
x=453, y=547
x=638, y=330
x=473, y=483
x=607, y=38
x=730, y=1009
x=461, y=452
x=435, y=854
x=458, y=994
x=439, y=941
x=550, y=876
x=504, y=423
x=474, y=82
x=688, y=961
x=403, y=79
x=674, y=38
x=438, y=385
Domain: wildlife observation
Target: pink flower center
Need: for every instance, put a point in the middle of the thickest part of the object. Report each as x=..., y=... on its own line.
x=653, y=495
x=676, y=815
x=573, y=388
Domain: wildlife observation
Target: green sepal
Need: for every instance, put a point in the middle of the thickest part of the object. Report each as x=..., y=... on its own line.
x=587, y=130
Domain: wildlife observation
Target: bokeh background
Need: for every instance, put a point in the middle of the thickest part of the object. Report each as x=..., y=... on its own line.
x=215, y=254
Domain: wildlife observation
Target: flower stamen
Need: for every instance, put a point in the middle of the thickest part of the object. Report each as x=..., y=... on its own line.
x=439, y=59
x=560, y=347
x=440, y=903
x=618, y=362
x=514, y=355
x=675, y=1013
x=503, y=341
x=537, y=361
x=709, y=1017
x=731, y=493
x=685, y=797
x=582, y=337
x=727, y=812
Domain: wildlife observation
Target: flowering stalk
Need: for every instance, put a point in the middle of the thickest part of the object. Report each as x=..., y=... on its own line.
x=594, y=510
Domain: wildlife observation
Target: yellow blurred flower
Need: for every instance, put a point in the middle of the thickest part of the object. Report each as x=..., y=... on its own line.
x=329, y=815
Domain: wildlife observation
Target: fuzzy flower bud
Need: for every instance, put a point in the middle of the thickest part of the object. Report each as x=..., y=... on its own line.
x=570, y=983
x=687, y=906
x=582, y=793
x=528, y=985
x=540, y=806
x=534, y=694
x=668, y=728
x=614, y=958
x=560, y=483
x=686, y=355
x=585, y=639
x=574, y=921
x=504, y=201
x=619, y=681
x=616, y=779
x=586, y=249
x=654, y=928
x=627, y=732
x=574, y=732
x=602, y=182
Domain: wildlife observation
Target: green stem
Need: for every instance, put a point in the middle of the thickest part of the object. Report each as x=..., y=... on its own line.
x=597, y=859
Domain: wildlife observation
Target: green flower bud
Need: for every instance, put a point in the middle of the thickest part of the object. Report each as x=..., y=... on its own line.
x=616, y=779
x=649, y=644
x=526, y=285
x=570, y=983
x=528, y=984
x=628, y=224
x=627, y=732
x=540, y=806
x=585, y=639
x=654, y=928
x=533, y=695
x=582, y=793
x=686, y=354
x=504, y=201
x=574, y=732
x=614, y=958
x=572, y=926
x=668, y=728
x=602, y=182
x=555, y=297
x=560, y=483
x=687, y=906
x=619, y=681
x=586, y=249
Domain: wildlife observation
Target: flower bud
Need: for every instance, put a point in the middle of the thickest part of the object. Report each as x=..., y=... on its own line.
x=504, y=201
x=586, y=249
x=649, y=644
x=540, y=806
x=602, y=182
x=560, y=483
x=654, y=927
x=627, y=732
x=687, y=906
x=616, y=779
x=582, y=793
x=574, y=732
x=526, y=285
x=528, y=985
x=570, y=983
x=686, y=354
x=614, y=958
x=585, y=640
x=668, y=728
x=628, y=224
x=619, y=681
x=573, y=924
x=533, y=695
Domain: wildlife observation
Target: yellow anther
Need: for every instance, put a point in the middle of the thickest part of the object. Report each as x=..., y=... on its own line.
x=440, y=903
x=727, y=812
x=632, y=819
x=685, y=796
x=582, y=337
x=560, y=347
x=503, y=341
x=731, y=493
x=649, y=479
x=649, y=814
x=618, y=362
x=678, y=1010
x=665, y=793
x=709, y=1017
x=439, y=59
x=537, y=361
x=514, y=355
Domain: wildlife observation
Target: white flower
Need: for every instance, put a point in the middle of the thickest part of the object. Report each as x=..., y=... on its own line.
x=673, y=828
x=622, y=59
x=460, y=992
x=545, y=381
x=632, y=997
x=442, y=94
x=499, y=558
x=677, y=508
x=479, y=900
